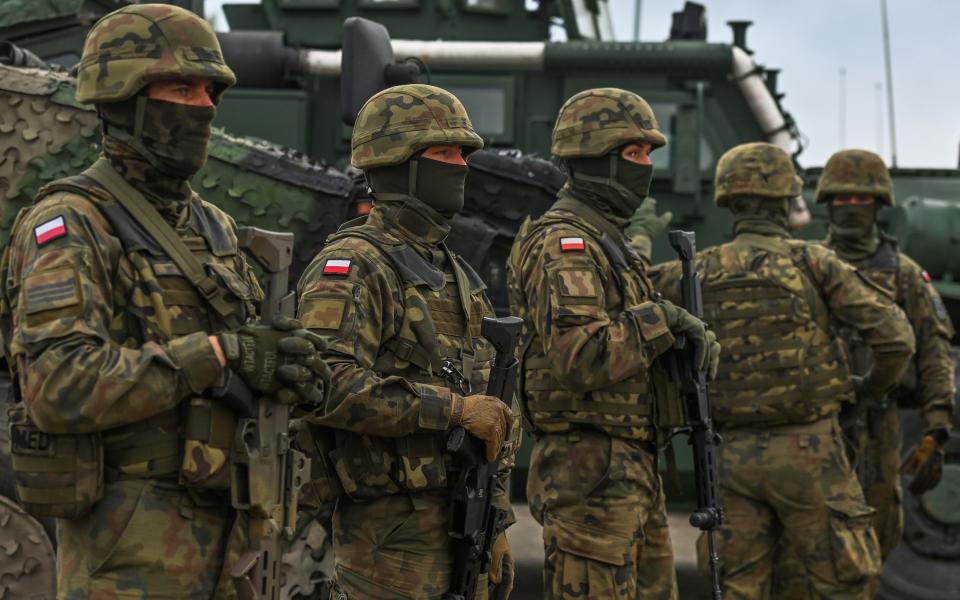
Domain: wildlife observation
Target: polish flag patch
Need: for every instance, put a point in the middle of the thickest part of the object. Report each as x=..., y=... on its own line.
x=336, y=266
x=49, y=231
x=571, y=244
x=926, y=277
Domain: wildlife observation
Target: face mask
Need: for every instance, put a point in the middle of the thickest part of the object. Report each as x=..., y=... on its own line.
x=635, y=178
x=852, y=220
x=623, y=185
x=172, y=137
x=440, y=185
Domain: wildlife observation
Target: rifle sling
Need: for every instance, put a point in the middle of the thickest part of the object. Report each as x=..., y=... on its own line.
x=146, y=215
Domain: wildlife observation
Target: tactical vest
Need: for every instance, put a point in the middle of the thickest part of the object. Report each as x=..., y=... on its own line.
x=157, y=303
x=780, y=364
x=624, y=409
x=437, y=326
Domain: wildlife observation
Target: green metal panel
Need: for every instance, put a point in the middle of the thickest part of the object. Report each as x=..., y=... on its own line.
x=280, y=116
x=490, y=101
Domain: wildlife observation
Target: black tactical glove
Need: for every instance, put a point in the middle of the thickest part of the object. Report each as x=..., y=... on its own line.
x=307, y=377
x=925, y=462
x=707, y=349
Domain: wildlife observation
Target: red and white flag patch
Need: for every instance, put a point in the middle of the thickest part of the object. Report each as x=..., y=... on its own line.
x=571, y=244
x=49, y=231
x=336, y=266
x=926, y=277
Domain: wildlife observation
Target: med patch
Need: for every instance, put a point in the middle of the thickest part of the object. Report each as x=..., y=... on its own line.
x=50, y=230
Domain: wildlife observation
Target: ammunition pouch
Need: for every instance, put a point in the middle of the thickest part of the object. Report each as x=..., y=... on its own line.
x=370, y=467
x=208, y=432
x=668, y=412
x=57, y=475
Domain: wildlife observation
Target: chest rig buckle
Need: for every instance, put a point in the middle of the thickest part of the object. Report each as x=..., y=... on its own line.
x=449, y=372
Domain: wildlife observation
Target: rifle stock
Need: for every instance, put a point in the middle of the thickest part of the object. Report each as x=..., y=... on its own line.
x=695, y=395
x=474, y=522
x=266, y=472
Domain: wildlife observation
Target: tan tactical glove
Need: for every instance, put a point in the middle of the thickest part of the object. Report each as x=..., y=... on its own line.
x=485, y=417
x=707, y=349
x=925, y=462
x=502, y=570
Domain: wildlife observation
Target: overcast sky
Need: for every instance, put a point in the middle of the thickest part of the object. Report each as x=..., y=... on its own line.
x=811, y=41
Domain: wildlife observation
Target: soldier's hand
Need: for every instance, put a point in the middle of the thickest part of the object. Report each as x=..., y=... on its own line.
x=502, y=570
x=706, y=347
x=925, y=462
x=646, y=222
x=485, y=417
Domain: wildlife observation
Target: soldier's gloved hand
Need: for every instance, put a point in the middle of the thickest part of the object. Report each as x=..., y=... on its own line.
x=645, y=220
x=502, y=570
x=925, y=462
x=304, y=374
x=254, y=351
x=485, y=417
x=706, y=347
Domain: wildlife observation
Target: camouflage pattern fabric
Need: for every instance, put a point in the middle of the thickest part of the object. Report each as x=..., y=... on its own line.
x=136, y=45
x=855, y=172
x=601, y=504
x=755, y=169
x=400, y=121
x=27, y=562
x=591, y=335
x=793, y=483
x=385, y=296
x=594, y=122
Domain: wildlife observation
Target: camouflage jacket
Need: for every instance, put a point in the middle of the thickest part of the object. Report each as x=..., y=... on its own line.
x=772, y=301
x=100, y=326
x=386, y=295
x=592, y=330
x=929, y=378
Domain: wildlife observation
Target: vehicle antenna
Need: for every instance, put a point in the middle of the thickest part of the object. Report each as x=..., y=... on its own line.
x=886, y=57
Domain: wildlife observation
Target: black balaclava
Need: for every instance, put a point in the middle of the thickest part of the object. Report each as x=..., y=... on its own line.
x=157, y=145
x=610, y=184
x=437, y=184
x=853, y=230
x=766, y=216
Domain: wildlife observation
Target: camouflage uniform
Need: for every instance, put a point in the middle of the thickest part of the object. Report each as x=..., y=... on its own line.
x=875, y=440
x=782, y=467
x=109, y=342
x=393, y=303
x=592, y=333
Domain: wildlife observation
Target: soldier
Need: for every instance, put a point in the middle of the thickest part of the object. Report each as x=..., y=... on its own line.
x=782, y=467
x=594, y=327
x=854, y=185
x=121, y=361
x=395, y=306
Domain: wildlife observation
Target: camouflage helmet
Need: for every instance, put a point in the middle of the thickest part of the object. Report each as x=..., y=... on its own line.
x=755, y=169
x=400, y=121
x=138, y=44
x=595, y=122
x=855, y=172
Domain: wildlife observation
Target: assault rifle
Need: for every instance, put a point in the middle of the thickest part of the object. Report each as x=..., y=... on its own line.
x=696, y=406
x=474, y=522
x=266, y=473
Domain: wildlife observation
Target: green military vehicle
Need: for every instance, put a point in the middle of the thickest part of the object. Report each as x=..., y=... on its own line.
x=302, y=75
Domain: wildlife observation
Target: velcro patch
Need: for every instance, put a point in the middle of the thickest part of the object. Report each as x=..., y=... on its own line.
x=336, y=266
x=49, y=231
x=322, y=312
x=51, y=290
x=571, y=244
x=926, y=277
x=578, y=283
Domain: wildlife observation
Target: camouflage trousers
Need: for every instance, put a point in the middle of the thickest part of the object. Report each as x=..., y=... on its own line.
x=793, y=485
x=877, y=464
x=148, y=539
x=396, y=547
x=601, y=505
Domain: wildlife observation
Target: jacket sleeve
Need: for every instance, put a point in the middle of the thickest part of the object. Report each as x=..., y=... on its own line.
x=856, y=302
x=355, y=313
x=74, y=376
x=567, y=293
x=932, y=327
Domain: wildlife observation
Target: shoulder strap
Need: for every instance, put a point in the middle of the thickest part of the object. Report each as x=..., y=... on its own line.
x=147, y=216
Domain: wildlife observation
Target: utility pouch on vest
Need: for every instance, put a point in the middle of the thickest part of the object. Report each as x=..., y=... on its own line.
x=324, y=486
x=56, y=475
x=668, y=409
x=208, y=430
